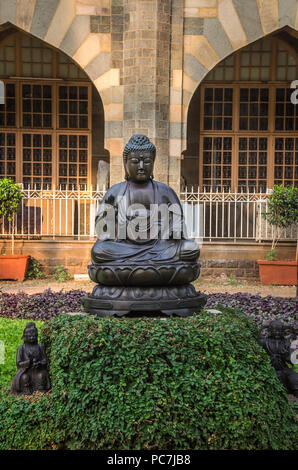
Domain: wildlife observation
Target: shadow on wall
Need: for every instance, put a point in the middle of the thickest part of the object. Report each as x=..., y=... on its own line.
x=100, y=156
x=190, y=161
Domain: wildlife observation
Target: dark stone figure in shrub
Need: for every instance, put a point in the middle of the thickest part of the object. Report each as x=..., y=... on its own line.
x=142, y=259
x=32, y=374
x=278, y=346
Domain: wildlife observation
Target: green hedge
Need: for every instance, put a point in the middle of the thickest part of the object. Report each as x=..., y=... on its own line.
x=11, y=331
x=197, y=383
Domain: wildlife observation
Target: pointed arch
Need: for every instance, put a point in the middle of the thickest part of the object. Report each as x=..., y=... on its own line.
x=266, y=67
x=50, y=99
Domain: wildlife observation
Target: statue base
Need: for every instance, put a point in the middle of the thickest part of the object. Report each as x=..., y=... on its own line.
x=144, y=275
x=108, y=301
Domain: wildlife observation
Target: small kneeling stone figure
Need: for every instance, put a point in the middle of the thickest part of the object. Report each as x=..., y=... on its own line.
x=32, y=374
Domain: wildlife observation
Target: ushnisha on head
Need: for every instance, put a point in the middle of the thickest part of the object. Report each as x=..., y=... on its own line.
x=30, y=334
x=138, y=158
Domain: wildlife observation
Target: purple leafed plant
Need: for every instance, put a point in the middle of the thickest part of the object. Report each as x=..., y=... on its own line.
x=41, y=306
x=48, y=304
x=260, y=309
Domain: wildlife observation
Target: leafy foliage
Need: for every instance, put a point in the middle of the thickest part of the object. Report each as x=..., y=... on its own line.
x=34, y=270
x=41, y=306
x=10, y=197
x=271, y=255
x=61, y=274
x=197, y=383
x=11, y=332
x=282, y=209
x=260, y=309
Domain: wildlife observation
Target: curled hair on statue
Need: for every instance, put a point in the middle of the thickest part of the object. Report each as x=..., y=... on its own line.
x=29, y=326
x=138, y=142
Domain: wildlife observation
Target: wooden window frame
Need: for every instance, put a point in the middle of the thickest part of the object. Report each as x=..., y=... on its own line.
x=54, y=130
x=89, y=141
x=236, y=132
x=5, y=160
x=270, y=133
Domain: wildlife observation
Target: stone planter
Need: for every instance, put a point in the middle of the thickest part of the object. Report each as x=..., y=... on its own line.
x=278, y=272
x=13, y=266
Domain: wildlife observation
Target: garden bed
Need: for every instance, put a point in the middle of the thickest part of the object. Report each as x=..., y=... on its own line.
x=48, y=304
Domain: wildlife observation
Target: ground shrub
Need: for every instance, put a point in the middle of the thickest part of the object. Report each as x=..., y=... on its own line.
x=11, y=332
x=34, y=270
x=48, y=304
x=200, y=382
x=260, y=309
x=61, y=274
x=41, y=306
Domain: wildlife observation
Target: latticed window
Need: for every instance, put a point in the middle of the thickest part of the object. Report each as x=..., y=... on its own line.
x=8, y=58
x=218, y=109
x=45, y=123
x=247, y=99
x=73, y=160
x=8, y=110
x=73, y=107
x=253, y=109
x=37, y=159
x=286, y=160
x=37, y=58
x=252, y=163
x=37, y=105
x=217, y=158
x=255, y=61
x=8, y=155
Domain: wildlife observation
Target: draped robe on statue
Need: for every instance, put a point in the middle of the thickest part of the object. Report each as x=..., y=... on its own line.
x=168, y=242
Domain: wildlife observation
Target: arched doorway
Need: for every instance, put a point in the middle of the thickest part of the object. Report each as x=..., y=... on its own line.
x=242, y=126
x=52, y=122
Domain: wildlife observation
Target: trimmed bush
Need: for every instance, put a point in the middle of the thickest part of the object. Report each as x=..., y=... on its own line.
x=201, y=382
x=11, y=332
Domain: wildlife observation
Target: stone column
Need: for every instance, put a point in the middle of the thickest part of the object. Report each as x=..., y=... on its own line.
x=146, y=52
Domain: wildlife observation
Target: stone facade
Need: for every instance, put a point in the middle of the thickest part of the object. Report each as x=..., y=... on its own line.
x=147, y=57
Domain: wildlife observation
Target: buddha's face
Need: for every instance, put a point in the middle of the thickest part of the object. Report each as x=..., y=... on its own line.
x=30, y=336
x=139, y=165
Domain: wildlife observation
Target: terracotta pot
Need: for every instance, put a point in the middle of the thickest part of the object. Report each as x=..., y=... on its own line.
x=13, y=266
x=282, y=273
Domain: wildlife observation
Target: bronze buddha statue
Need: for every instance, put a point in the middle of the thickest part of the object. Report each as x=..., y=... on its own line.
x=142, y=240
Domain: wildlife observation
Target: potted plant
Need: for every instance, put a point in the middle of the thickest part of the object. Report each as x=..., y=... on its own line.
x=11, y=266
x=282, y=213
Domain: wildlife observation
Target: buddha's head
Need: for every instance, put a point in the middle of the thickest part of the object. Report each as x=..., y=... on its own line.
x=138, y=157
x=30, y=335
x=276, y=329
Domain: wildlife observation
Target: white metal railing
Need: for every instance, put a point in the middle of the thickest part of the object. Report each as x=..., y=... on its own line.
x=230, y=216
x=209, y=216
